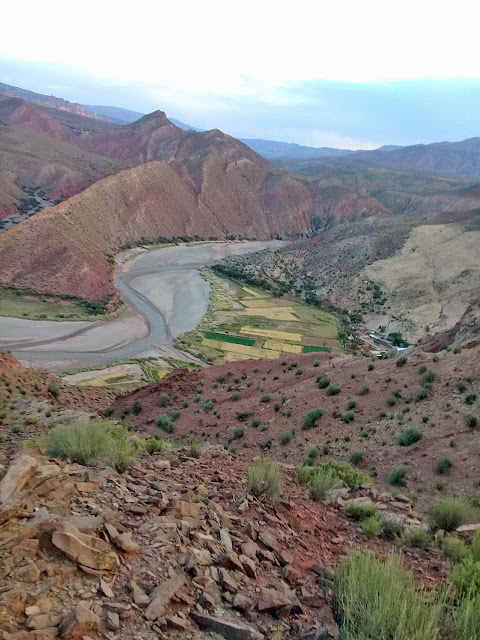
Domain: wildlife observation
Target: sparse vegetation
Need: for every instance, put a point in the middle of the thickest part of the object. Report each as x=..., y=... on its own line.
x=397, y=476
x=371, y=527
x=334, y=389
x=363, y=390
x=312, y=417
x=86, y=442
x=264, y=478
x=356, y=457
x=443, y=466
x=165, y=423
x=449, y=513
x=409, y=436
x=360, y=511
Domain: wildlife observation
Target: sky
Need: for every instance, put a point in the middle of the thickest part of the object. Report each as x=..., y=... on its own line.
x=344, y=74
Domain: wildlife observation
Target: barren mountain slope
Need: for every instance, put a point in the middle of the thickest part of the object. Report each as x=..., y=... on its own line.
x=62, y=169
x=432, y=280
x=63, y=249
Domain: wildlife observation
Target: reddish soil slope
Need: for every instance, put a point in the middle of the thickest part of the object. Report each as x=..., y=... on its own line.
x=441, y=417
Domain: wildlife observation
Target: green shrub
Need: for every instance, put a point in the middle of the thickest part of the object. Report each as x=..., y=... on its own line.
x=379, y=600
x=391, y=400
x=235, y=397
x=428, y=377
x=154, y=445
x=106, y=413
x=351, y=476
x=165, y=423
x=334, y=389
x=238, y=433
x=208, y=406
x=470, y=399
x=348, y=417
x=163, y=400
x=401, y=361
x=313, y=453
x=466, y=576
x=54, y=389
x=360, y=511
x=352, y=404
x=475, y=546
x=266, y=397
x=443, y=466
x=311, y=417
x=449, y=513
x=137, y=407
x=422, y=393
x=371, y=527
x=416, y=537
x=392, y=527
x=467, y=617
x=461, y=386
x=86, y=442
x=471, y=421
x=397, y=476
x=409, y=437
x=321, y=482
x=256, y=423
x=356, y=457
x=363, y=390
x=264, y=478
x=323, y=380
x=454, y=548
x=286, y=437
x=195, y=448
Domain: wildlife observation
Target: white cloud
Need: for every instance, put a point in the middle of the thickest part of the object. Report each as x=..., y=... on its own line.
x=244, y=49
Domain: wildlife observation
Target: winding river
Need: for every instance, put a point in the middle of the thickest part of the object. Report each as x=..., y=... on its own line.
x=165, y=296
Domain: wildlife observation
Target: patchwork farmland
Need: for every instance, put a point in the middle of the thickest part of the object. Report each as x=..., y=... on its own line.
x=247, y=323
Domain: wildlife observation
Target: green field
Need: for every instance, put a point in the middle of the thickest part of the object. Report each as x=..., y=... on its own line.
x=37, y=308
x=235, y=309
x=221, y=337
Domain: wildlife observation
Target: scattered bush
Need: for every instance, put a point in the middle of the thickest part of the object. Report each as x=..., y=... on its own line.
x=409, y=437
x=266, y=397
x=195, y=448
x=351, y=476
x=428, y=377
x=238, y=433
x=154, y=445
x=449, y=513
x=264, y=478
x=256, y=423
x=86, y=442
x=466, y=576
x=443, y=466
x=165, y=423
x=137, y=407
x=470, y=399
x=392, y=527
x=348, y=417
x=334, y=389
x=363, y=390
x=397, y=476
x=235, y=397
x=454, y=548
x=356, y=458
x=321, y=482
x=163, y=400
x=360, y=511
x=401, y=361
x=471, y=421
x=416, y=537
x=371, y=527
x=311, y=418
x=379, y=600
x=208, y=406
x=286, y=437
x=323, y=380
x=54, y=389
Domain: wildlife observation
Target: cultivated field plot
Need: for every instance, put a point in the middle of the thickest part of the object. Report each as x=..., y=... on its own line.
x=248, y=323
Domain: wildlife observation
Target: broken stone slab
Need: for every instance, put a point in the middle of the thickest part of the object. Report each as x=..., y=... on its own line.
x=274, y=601
x=125, y=542
x=19, y=473
x=80, y=622
x=229, y=561
x=87, y=551
x=226, y=539
x=268, y=539
x=140, y=598
x=228, y=629
x=162, y=594
x=468, y=529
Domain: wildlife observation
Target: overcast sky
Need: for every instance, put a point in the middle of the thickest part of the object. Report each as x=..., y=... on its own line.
x=346, y=74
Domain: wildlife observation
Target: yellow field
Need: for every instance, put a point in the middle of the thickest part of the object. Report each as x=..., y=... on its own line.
x=250, y=351
x=272, y=333
x=230, y=356
x=260, y=302
x=282, y=346
x=283, y=314
x=253, y=293
x=213, y=344
x=162, y=373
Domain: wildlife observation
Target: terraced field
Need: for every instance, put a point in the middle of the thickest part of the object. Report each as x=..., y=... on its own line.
x=248, y=323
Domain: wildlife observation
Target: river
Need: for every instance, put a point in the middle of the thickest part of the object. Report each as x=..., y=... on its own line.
x=165, y=296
